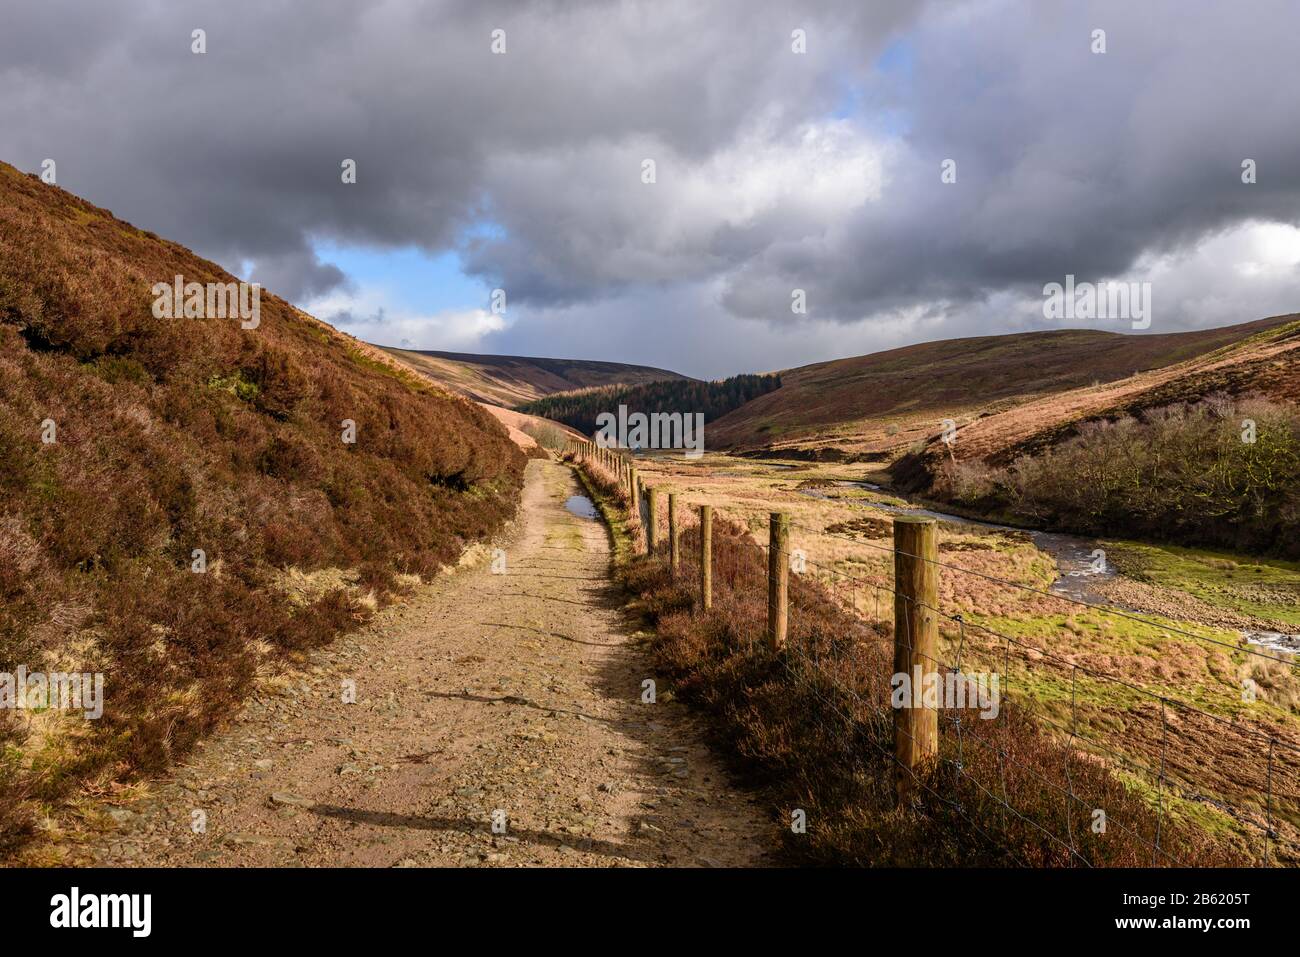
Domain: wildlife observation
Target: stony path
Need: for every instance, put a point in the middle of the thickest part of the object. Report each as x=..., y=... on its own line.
x=517, y=693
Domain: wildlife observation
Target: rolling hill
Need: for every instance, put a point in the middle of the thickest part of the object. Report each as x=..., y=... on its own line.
x=1263, y=359
x=1202, y=452
x=184, y=501
x=511, y=381
x=875, y=407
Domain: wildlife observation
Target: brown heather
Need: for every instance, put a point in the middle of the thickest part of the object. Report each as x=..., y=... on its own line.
x=812, y=726
x=1003, y=390
x=183, y=434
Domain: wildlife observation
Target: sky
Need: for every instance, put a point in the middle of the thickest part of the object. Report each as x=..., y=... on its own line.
x=501, y=201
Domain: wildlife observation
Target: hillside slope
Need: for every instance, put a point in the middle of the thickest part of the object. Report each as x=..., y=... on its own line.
x=878, y=405
x=532, y=433
x=1204, y=452
x=511, y=381
x=179, y=504
x=1264, y=360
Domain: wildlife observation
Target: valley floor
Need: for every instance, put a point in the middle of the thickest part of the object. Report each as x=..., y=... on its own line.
x=1211, y=636
x=517, y=692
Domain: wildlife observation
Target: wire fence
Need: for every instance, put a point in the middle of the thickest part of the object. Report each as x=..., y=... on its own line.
x=1245, y=769
x=1153, y=765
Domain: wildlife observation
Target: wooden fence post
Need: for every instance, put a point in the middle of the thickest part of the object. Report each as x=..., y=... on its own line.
x=778, y=580
x=916, y=648
x=634, y=492
x=706, y=556
x=672, y=531
x=652, y=528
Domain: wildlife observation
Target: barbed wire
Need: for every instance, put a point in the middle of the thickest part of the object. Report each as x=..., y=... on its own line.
x=1103, y=609
x=1004, y=755
x=1167, y=786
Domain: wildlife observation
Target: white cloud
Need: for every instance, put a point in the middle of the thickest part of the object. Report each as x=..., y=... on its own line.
x=1247, y=272
x=369, y=314
x=579, y=221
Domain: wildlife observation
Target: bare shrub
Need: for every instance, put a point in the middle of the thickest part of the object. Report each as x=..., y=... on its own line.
x=1180, y=473
x=550, y=437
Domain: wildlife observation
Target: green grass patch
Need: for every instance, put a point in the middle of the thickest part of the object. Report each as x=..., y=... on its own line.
x=1127, y=647
x=236, y=384
x=1263, y=588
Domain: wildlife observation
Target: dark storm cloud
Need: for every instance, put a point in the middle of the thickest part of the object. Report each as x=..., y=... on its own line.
x=240, y=149
x=297, y=274
x=1068, y=161
x=774, y=170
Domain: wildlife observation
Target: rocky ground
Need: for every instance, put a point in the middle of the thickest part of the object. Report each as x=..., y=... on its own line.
x=498, y=721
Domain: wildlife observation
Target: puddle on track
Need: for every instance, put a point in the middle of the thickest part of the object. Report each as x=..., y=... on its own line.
x=581, y=506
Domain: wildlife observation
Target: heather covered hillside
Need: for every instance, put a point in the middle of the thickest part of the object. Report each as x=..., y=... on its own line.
x=511, y=380
x=875, y=407
x=1203, y=452
x=179, y=505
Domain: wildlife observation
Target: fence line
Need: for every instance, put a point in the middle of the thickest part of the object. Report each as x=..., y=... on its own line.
x=1116, y=612
x=914, y=595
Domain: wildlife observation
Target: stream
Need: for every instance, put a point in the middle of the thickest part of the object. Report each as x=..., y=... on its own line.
x=1081, y=561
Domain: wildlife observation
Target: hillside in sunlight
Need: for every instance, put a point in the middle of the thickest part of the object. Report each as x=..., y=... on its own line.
x=876, y=407
x=511, y=381
x=180, y=505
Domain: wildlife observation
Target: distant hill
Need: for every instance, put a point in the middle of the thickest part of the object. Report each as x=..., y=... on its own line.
x=1261, y=359
x=1201, y=452
x=877, y=406
x=511, y=381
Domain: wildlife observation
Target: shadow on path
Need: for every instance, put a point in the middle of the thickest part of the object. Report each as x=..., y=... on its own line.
x=465, y=826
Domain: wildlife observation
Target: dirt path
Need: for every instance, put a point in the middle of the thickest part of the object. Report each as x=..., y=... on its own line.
x=516, y=692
